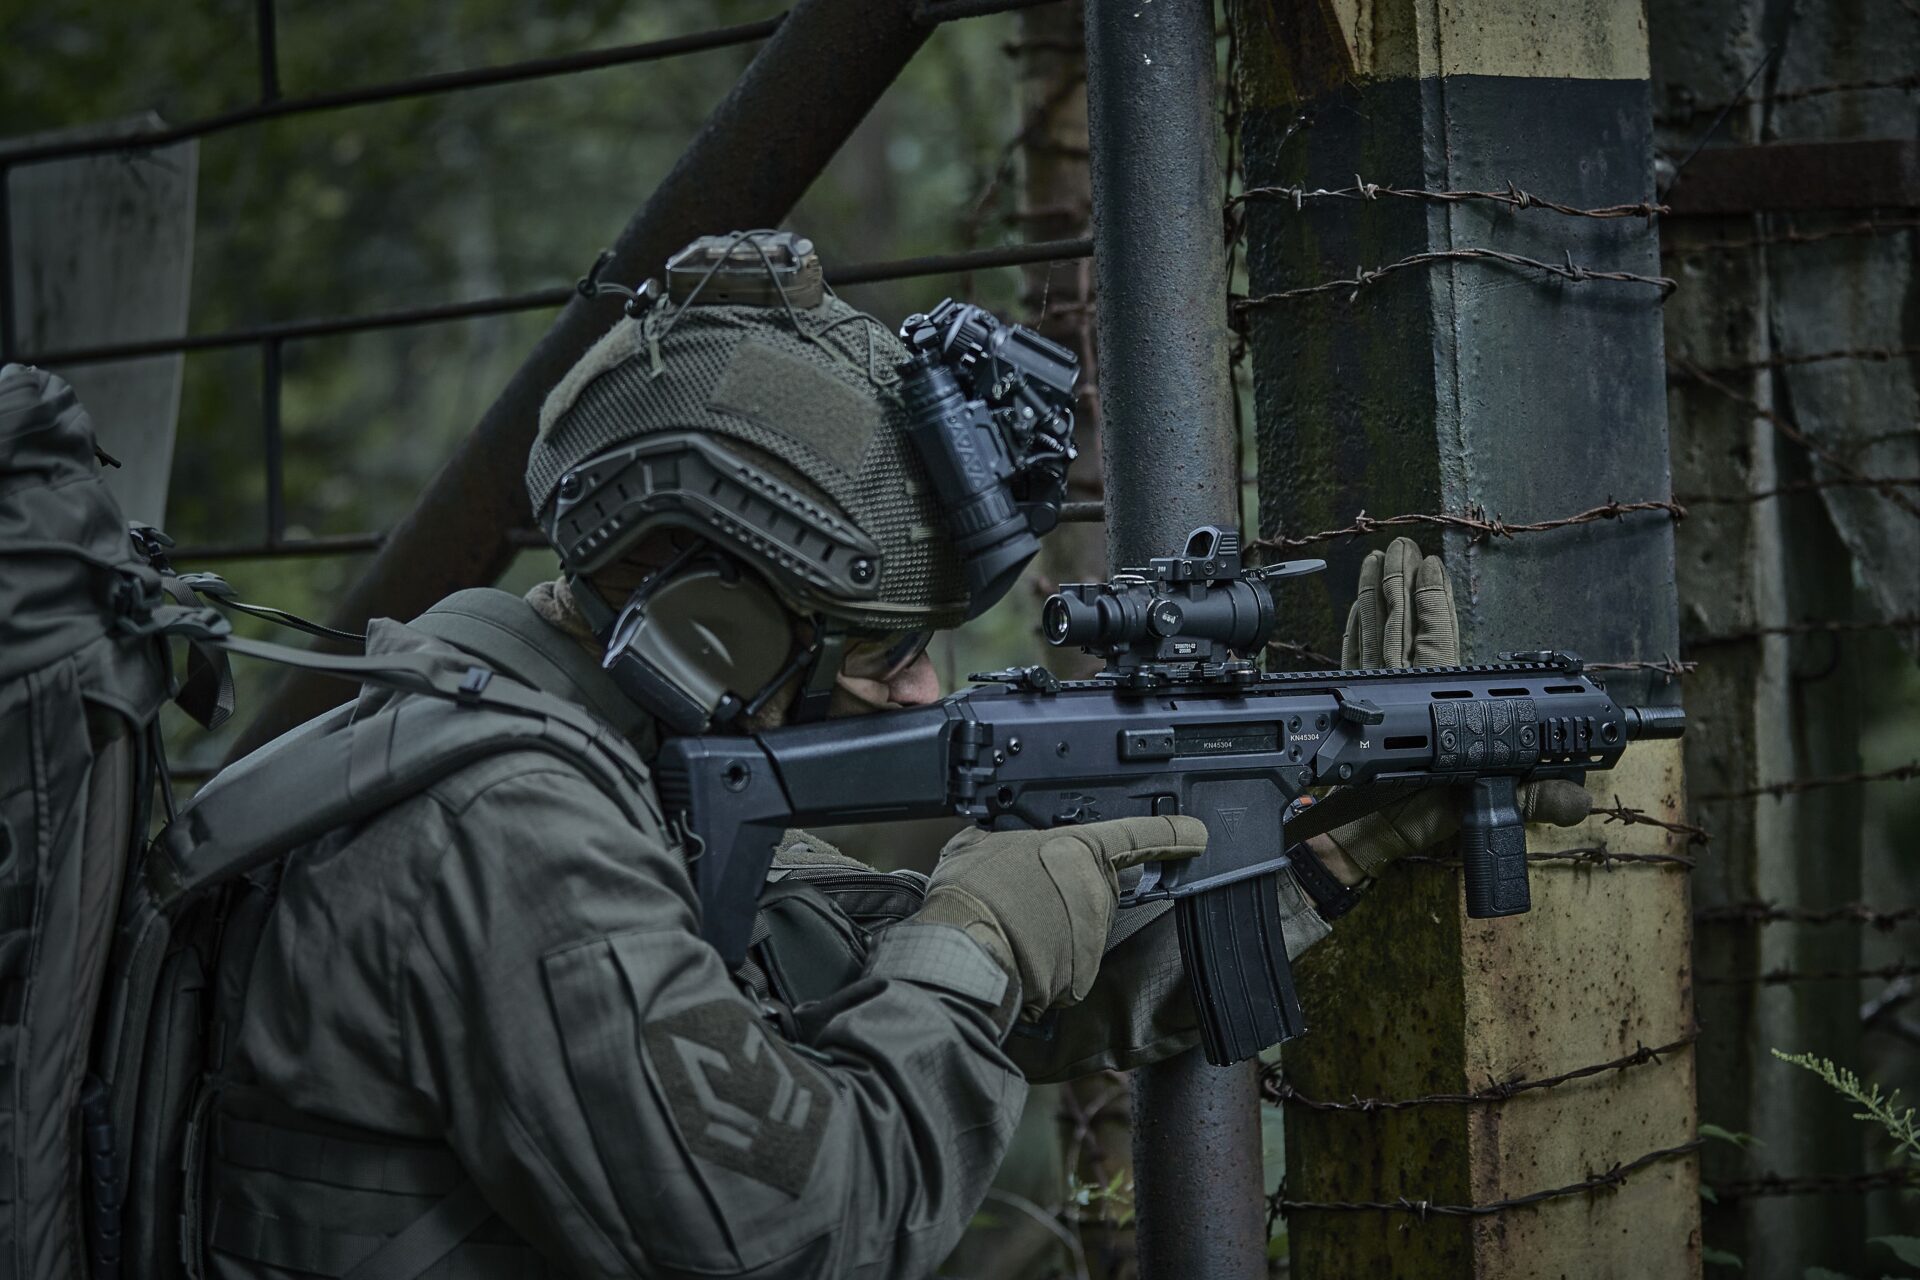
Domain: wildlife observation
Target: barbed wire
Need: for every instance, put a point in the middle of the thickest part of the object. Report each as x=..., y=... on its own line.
x=1816, y=626
x=1567, y=270
x=1793, y=235
x=1513, y=197
x=1280, y=1205
x=1585, y=856
x=1474, y=520
x=1797, y=486
x=1794, y=786
x=1277, y=1090
x=1630, y=816
x=1779, y=977
x=1763, y=913
x=1790, y=360
x=1304, y=652
x=1773, y=1184
x=1799, y=93
x=1792, y=431
x=1673, y=668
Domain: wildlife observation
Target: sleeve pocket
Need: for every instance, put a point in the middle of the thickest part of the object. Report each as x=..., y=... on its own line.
x=707, y=1124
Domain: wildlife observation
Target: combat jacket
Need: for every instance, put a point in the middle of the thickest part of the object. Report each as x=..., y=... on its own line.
x=501, y=979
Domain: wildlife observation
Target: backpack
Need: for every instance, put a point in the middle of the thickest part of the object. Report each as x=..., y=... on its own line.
x=111, y=945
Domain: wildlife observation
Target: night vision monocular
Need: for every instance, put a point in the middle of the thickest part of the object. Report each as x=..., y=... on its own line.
x=990, y=413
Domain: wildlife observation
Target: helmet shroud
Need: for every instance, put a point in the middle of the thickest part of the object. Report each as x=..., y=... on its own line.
x=775, y=433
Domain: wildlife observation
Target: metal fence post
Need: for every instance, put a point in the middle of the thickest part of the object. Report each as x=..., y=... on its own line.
x=1160, y=265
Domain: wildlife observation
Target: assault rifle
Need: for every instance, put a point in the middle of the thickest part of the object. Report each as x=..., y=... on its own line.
x=1179, y=722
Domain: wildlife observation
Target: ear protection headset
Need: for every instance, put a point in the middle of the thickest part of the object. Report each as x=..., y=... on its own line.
x=704, y=643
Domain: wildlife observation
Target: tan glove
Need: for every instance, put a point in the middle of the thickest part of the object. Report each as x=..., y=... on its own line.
x=1042, y=902
x=1404, y=616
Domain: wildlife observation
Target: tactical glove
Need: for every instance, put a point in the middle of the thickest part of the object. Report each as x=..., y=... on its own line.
x=1042, y=902
x=1404, y=616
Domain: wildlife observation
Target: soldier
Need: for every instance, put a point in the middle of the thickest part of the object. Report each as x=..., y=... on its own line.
x=480, y=1035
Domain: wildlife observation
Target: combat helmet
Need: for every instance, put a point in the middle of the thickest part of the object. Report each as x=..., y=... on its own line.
x=760, y=421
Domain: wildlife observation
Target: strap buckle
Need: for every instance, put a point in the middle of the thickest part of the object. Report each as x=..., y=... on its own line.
x=474, y=684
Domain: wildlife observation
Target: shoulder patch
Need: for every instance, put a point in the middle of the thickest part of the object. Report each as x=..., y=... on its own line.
x=741, y=1098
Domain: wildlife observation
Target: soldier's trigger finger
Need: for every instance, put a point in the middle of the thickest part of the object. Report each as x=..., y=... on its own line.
x=1128, y=842
x=961, y=841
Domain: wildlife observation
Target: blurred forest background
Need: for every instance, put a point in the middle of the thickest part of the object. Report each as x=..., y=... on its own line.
x=517, y=187
x=457, y=196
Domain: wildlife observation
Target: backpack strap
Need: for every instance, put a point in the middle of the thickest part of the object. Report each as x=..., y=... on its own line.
x=278, y=800
x=428, y=1238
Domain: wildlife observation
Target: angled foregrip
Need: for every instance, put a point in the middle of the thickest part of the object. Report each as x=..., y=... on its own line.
x=1493, y=850
x=1236, y=959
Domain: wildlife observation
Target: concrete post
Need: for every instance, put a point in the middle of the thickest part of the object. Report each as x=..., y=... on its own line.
x=1441, y=387
x=1160, y=268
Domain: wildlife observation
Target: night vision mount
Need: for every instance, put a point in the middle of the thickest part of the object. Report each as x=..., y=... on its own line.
x=1194, y=616
x=990, y=413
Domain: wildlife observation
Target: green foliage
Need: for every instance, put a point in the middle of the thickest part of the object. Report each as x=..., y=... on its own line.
x=1110, y=1203
x=1745, y=1141
x=1883, y=1110
x=1905, y=1248
x=450, y=197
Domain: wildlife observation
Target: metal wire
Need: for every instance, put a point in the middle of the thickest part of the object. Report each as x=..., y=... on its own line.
x=1791, y=430
x=1794, y=786
x=1787, y=360
x=1629, y=816
x=1777, y=977
x=1870, y=227
x=1277, y=1090
x=1818, y=626
x=1474, y=520
x=393, y=91
x=1566, y=270
x=1797, y=94
x=1588, y=856
x=1797, y=486
x=1512, y=197
x=1764, y=913
x=1773, y=1184
x=1279, y=1205
x=535, y=300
